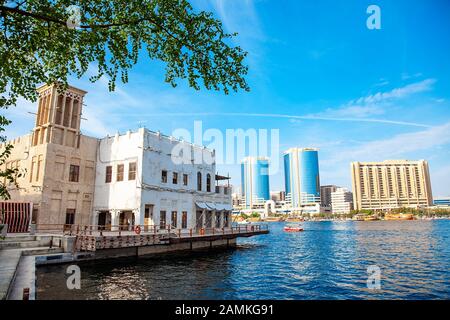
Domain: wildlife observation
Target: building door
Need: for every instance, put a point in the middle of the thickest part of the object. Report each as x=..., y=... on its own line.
x=174, y=219
x=102, y=220
x=126, y=220
x=70, y=218
x=208, y=219
x=199, y=219
x=162, y=220
x=148, y=216
x=217, y=224
x=184, y=220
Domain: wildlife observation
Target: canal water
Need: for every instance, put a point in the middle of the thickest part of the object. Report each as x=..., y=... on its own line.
x=329, y=260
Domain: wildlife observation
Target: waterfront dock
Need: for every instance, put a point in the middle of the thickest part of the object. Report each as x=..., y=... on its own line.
x=20, y=254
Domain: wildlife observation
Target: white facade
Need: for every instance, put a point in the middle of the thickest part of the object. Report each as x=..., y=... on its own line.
x=341, y=201
x=165, y=188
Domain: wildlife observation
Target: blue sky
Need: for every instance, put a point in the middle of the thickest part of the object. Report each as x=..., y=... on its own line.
x=354, y=93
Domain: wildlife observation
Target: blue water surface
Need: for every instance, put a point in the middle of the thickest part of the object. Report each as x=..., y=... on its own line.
x=329, y=260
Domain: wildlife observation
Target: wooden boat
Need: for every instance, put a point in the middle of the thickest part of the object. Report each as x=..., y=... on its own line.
x=272, y=219
x=292, y=228
x=358, y=217
x=294, y=219
x=371, y=218
x=398, y=216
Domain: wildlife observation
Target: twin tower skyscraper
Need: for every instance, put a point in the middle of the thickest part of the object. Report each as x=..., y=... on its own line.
x=301, y=180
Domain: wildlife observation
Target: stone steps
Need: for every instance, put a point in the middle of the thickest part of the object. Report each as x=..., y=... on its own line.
x=41, y=251
x=15, y=248
x=18, y=238
x=24, y=244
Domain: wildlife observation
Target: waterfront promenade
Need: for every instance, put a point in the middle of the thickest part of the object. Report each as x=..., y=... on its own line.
x=20, y=253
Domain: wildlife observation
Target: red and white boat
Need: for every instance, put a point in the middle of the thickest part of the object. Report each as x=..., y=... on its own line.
x=292, y=228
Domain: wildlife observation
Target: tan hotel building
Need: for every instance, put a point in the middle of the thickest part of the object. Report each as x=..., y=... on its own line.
x=391, y=184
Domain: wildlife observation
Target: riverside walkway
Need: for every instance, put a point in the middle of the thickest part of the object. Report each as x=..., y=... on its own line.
x=17, y=265
x=21, y=253
x=9, y=260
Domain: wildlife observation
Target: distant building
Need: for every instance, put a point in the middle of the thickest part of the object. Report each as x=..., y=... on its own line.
x=255, y=181
x=341, y=201
x=277, y=196
x=442, y=202
x=238, y=201
x=325, y=195
x=391, y=184
x=302, y=182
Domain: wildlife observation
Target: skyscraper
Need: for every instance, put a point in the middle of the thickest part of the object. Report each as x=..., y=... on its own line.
x=255, y=181
x=391, y=184
x=301, y=177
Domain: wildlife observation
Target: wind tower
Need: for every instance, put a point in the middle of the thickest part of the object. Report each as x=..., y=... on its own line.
x=58, y=116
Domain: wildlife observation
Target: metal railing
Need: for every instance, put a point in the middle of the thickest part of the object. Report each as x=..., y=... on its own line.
x=119, y=230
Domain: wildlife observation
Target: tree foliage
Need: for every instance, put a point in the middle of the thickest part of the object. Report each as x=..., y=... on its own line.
x=39, y=44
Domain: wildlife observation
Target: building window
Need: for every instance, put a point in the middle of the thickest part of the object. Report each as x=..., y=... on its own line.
x=108, y=176
x=199, y=181
x=175, y=178
x=38, y=171
x=70, y=216
x=164, y=176
x=119, y=176
x=208, y=183
x=32, y=169
x=162, y=219
x=185, y=179
x=74, y=173
x=184, y=220
x=174, y=219
x=132, y=171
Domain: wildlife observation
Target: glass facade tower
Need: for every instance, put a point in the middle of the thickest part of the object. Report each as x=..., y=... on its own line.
x=255, y=180
x=301, y=176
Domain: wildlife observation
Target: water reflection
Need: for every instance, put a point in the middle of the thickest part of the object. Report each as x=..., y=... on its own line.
x=327, y=261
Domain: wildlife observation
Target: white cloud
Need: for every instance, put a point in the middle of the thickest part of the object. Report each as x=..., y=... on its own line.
x=239, y=16
x=397, y=93
x=407, y=76
x=402, y=144
x=375, y=104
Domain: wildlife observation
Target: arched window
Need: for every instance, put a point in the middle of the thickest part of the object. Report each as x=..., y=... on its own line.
x=208, y=183
x=199, y=181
